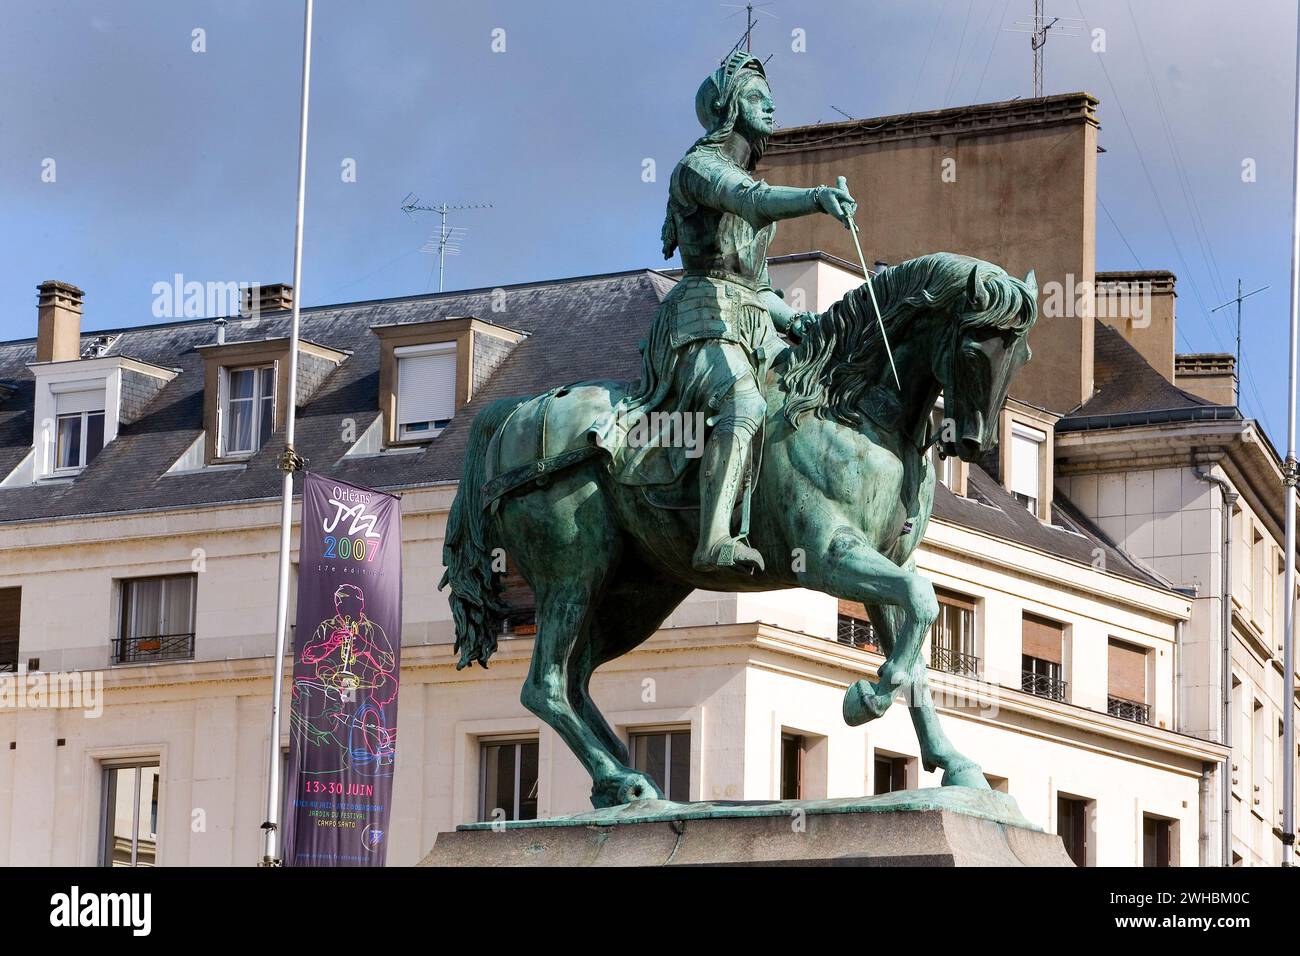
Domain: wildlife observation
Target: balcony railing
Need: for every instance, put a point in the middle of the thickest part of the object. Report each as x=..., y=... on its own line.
x=157, y=647
x=857, y=633
x=521, y=622
x=948, y=660
x=1042, y=685
x=1128, y=709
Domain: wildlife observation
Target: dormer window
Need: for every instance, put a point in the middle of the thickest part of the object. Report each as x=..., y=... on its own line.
x=426, y=389
x=248, y=413
x=429, y=370
x=245, y=392
x=1025, y=455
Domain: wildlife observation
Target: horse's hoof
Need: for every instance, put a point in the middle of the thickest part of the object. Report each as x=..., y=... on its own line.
x=965, y=774
x=638, y=787
x=621, y=788
x=862, y=704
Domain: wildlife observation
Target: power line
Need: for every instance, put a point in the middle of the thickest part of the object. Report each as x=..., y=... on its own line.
x=1164, y=216
x=961, y=45
x=997, y=32
x=934, y=30
x=1184, y=181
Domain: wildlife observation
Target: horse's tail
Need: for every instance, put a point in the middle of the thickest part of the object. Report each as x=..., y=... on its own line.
x=467, y=551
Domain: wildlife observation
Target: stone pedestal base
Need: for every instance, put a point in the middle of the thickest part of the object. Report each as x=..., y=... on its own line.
x=949, y=826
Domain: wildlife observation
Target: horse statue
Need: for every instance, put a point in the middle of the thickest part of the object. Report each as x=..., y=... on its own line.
x=843, y=481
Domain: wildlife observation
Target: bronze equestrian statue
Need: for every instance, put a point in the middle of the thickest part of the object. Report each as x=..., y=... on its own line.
x=814, y=471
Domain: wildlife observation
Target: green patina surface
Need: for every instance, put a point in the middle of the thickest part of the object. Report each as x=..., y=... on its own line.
x=806, y=463
x=968, y=801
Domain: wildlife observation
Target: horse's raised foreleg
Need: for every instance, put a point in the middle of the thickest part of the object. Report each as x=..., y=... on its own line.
x=854, y=571
x=937, y=752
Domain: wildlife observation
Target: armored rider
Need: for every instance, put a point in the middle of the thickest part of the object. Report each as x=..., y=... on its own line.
x=714, y=332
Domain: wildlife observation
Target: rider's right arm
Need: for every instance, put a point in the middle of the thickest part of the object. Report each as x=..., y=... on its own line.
x=728, y=189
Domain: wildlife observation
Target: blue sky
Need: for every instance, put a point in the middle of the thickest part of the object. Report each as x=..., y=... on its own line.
x=171, y=161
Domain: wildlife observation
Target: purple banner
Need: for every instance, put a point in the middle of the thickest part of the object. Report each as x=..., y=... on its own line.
x=346, y=653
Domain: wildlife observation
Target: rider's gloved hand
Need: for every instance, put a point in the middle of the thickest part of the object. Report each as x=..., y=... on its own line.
x=799, y=323
x=836, y=201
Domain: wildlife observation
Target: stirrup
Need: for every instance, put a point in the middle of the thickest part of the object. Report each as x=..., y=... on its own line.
x=730, y=553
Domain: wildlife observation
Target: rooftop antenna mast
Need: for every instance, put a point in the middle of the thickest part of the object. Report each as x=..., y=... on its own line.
x=747, y=38
x=1238, y=299
x=448, y=239
x=1037, y=30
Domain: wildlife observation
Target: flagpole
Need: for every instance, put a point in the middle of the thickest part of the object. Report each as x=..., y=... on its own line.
x=1289, y=478
x=289, y=464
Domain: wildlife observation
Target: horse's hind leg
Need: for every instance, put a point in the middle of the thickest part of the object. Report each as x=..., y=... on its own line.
x=567, y=592
x=636, y=601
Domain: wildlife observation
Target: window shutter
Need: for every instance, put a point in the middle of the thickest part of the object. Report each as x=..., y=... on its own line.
x=1127, y=671
x=223, y=389
x=83, y=400
x=955, y=599
x=426, y=386
x=1025, y=445
x=1041, y=638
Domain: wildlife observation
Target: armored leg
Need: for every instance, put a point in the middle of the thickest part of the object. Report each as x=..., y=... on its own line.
x=722, y=472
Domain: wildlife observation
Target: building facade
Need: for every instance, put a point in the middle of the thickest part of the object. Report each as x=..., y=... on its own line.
x=137, y=573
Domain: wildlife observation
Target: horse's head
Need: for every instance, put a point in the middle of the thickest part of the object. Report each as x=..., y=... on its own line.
x=955, y=324
x=988, y=345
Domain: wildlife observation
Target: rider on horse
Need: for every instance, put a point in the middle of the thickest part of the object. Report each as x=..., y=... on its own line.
x=714, y=333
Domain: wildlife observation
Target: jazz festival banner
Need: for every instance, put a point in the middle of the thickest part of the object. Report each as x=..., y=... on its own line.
x=346, y=654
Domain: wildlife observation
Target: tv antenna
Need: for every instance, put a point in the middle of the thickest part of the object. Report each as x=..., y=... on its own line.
x=1238, y=299
x=448, y=238
x=1037, y=30
x=747, y=38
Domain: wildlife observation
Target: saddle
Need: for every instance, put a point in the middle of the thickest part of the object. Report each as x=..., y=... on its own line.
x=550, y=433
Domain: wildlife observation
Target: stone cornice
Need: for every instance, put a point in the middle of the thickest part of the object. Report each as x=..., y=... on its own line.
x=980, y=120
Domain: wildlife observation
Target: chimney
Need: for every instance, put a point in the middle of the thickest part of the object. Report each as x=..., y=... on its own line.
x=58, y=321
x=1210, y=375
x=261, y=299
x=1140, y=306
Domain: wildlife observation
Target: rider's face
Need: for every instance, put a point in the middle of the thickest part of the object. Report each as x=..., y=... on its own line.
x=756, y=107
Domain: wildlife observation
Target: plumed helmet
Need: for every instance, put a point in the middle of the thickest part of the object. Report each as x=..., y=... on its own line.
x=714, y=95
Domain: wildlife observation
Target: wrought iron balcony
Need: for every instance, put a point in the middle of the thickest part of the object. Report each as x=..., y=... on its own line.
x=520, y=622
x=156, y=647
x=948, y=660
x=857, y=633
x=1042, y=685
x=1128, y=709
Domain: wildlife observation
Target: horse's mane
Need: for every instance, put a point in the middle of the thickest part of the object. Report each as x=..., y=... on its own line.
x=841, y=357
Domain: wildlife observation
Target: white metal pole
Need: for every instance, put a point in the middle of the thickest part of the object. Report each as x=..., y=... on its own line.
x=1288, y=580
x=270, y=829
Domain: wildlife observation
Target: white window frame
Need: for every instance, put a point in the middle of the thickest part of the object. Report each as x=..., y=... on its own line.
x=59, y=389
x=225, y=418
x=83, y=449
x=518, y=796
x=1039, y=439
x=139, y=765
x=415, y=431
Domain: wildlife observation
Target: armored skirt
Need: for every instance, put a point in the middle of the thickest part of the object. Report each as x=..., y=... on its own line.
x=707, y=335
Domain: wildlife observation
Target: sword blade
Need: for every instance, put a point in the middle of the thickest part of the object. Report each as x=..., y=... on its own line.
x=853, y=229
